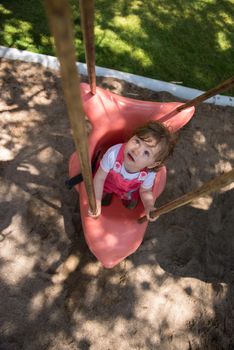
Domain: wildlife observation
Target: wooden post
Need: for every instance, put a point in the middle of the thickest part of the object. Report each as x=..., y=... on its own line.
x=59, y=16
x=213, y=185
x=227, y=84
x=87, y=21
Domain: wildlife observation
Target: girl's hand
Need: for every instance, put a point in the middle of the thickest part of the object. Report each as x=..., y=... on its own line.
x=147, y=211
x=97, y=214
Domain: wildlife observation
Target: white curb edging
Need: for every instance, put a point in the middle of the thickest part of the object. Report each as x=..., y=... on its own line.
x=151, y=84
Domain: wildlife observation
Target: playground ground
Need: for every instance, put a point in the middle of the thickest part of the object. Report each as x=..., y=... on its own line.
x=175, y=292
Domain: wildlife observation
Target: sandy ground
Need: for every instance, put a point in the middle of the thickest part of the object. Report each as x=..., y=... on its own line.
x=175, y=292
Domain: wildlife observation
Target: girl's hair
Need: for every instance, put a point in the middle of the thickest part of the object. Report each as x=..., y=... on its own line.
x=163, y=137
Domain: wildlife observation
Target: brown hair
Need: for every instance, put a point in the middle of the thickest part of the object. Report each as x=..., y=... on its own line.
x=162, y=135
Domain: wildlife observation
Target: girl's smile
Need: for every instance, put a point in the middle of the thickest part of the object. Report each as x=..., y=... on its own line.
x=130, y=157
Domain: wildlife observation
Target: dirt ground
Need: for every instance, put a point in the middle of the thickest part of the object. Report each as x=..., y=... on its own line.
x=175, y=292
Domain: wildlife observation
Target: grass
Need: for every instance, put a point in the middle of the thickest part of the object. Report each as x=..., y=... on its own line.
x=189, y=42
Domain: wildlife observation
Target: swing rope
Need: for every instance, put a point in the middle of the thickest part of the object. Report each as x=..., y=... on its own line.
x=59, y=16
x=210, y=186
x=227, y=84
x=87, y=22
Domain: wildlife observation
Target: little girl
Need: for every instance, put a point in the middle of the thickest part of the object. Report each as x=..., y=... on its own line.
x=128, y=170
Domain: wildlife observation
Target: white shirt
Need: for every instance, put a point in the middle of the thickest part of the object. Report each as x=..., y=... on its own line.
x=108, y=161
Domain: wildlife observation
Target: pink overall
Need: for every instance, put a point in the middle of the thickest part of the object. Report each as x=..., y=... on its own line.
x=123, y=188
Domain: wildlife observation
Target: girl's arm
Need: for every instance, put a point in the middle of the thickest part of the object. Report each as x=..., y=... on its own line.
x=98, y=182
x=148, y=201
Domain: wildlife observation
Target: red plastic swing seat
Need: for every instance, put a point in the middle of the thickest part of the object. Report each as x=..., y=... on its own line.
x=116, y=233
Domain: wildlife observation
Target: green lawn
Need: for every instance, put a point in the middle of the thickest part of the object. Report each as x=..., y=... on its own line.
x=184, y=41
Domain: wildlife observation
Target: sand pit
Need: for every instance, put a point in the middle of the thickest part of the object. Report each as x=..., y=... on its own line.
x=175, y=292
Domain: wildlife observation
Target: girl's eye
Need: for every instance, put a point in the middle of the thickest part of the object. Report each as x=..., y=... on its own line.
x=146, y=153
x=137, y=141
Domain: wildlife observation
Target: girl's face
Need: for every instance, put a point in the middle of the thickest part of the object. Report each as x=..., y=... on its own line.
x=139, y=154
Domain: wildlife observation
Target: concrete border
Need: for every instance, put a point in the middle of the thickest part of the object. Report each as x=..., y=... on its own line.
x=147, y=83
